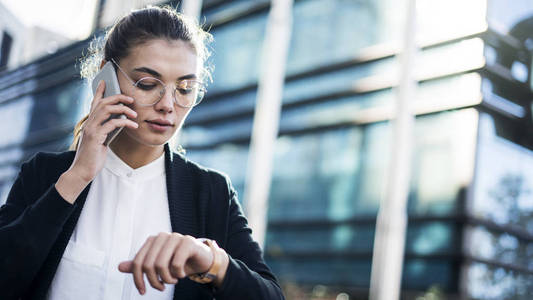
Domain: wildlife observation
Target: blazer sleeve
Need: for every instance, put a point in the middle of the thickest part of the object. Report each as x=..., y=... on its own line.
x=247, y=276
x=30, y=222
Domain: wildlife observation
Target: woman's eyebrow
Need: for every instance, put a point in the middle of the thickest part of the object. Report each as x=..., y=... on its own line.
x=156, y=74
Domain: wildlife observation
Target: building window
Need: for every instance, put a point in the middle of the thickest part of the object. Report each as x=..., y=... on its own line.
x=7, y=40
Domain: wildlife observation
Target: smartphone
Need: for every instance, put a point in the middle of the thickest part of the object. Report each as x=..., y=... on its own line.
x=109, y=76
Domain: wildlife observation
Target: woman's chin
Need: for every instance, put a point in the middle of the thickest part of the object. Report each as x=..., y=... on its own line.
x=148, y=138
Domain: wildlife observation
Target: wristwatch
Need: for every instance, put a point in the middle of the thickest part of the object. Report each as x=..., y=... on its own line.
x=211, y=274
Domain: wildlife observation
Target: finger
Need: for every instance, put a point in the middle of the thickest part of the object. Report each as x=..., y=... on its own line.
x=100, y=89
x=181, y=254
x=99, y=94
x=126, y=266
x=99, y=103
x=137, y=265
x=116, y=99
x=164, y=257
x=116, y=123
x=149, y=266
x=108, y=110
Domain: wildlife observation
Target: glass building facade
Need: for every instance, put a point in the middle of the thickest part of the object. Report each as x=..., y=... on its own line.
x=470, y=213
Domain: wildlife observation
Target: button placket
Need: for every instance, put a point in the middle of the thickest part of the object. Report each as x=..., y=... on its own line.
x=122, y=239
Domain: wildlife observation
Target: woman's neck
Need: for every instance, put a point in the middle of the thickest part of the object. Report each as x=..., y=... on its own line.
x=133, y=153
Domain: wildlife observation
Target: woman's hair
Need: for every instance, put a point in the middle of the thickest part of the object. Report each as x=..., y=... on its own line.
x=138, y=27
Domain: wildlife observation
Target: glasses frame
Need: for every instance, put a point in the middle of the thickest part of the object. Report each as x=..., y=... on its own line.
x=175, y=97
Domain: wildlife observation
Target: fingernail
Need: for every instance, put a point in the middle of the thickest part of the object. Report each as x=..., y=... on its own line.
x=141, y=291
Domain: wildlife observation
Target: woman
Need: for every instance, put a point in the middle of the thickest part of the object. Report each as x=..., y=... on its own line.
x=77, y=223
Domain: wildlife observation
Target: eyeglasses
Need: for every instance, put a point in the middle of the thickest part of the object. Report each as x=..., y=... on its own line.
x=149, y=90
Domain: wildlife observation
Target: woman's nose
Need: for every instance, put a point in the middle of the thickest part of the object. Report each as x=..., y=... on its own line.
x=166, y=102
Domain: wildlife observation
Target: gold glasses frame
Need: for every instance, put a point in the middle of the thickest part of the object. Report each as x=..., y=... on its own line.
x=176, y=93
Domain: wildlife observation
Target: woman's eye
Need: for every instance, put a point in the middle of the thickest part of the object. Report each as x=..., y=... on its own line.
x=146, y=86
x=185, y=91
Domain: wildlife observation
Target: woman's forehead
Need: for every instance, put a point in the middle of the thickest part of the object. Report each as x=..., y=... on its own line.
x=172, y=59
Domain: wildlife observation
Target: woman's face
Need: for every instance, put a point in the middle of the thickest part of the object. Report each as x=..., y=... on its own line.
x=168, y=61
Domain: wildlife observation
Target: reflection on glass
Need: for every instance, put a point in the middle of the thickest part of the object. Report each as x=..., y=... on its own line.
x=230, y=159
x=503, y=15
x=417, y=273
x=423, y=238
x=421, y=273
x=444, y=162
x=431, y=238
x=315, y=175
x=348, y=25
x=341, y=173
x=350, y=272
x=500, y=247
x=16, y=112
x=317, y=25
x=434, y=19
x=434, y=95
x=238, y=48
x=60, y=106
x=502, y=188
x=493, y=283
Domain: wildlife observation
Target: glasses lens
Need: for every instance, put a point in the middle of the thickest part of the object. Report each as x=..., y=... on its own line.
x=148, y=91
x=189, y=92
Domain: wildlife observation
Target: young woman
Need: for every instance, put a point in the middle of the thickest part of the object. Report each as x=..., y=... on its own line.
x=132, y=218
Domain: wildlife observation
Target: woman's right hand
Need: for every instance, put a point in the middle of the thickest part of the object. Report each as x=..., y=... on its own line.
x=91, y=152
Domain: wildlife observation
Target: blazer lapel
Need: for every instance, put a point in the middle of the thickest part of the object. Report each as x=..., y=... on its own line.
x=181, y=194
x=183, y=211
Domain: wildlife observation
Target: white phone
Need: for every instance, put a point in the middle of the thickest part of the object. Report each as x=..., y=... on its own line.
x=109, y=76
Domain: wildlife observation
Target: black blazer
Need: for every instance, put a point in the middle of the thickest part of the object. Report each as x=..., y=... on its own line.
x=36, y=224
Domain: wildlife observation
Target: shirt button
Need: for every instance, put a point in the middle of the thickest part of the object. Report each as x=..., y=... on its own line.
x=129, y=174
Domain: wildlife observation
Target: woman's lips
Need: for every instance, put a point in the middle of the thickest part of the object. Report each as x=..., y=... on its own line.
x=158, y=127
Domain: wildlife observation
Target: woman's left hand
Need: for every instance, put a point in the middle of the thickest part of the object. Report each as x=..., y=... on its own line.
x=170, y=256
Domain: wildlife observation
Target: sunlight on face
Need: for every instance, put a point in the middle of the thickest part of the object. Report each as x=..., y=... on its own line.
x=165, y=60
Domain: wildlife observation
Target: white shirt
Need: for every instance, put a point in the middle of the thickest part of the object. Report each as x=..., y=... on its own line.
x=123, y=208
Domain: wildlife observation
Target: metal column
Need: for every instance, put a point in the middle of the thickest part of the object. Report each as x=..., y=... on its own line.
x=387, y=261
x=266, y=117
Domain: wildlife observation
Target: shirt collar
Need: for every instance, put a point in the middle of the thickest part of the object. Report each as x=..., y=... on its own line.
x=118, y=167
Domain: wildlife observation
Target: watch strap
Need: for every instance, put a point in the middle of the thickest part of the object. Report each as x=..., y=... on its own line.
x=211, y=274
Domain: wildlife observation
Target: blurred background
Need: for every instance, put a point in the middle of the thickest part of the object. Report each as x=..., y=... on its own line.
x=469, y=203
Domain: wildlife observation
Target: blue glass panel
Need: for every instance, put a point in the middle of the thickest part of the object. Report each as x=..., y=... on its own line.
x=326, y=31
x=358, y=238
x=60, y=106
x=493, y=283
x=314, y=175
x=229, y=159
x=342, y=173
x=432, y=238
x=503, y=15
x=504, y=176
x=236, y=52
x=499, y=247
x=422, y=238
x=420, y=274
x=349, y=272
